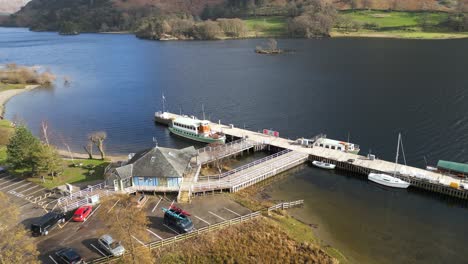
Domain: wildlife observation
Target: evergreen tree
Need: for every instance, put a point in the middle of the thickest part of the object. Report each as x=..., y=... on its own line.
x=20, y=149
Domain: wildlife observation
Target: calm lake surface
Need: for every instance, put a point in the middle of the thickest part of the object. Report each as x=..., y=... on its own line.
x=370, y=89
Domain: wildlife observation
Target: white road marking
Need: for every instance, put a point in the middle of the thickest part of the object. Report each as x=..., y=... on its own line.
x=89, y=216
x=7, y=177
x=138, y=240
x=6, y=182
x=21, y=186
x=154, y=208
x=171, y=229
x=113, y=206
x=53, y=259
x=154, y=234
x=217, y=215
x=36, y=191
x=143, y=205
x=232, y=211
x=29, y=189
x=50, y=202
x=11, y=185
x=202, y=219
x=98, y=250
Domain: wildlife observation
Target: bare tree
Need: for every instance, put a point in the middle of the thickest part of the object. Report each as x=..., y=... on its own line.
x=97, y=138
x=16, y=246
x=126, y=223
x=89, y=149
x=45, y=135
x=395, y=5
x=367, y=4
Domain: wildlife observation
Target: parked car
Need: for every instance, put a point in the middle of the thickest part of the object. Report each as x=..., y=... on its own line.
x=68, y=256
x=81, y=214
x=111, y=246
x=178, y=219
x=47, y=222
x=2, y=170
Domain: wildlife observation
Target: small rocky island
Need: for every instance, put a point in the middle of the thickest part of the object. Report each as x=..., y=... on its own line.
x=271, y=47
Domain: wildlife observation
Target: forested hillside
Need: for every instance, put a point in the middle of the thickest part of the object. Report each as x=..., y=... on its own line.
x=165, y=18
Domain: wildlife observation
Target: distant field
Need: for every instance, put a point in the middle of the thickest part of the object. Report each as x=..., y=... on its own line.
x=274, y=26
x=400, y=25
x=395, y=24
x=392, y=20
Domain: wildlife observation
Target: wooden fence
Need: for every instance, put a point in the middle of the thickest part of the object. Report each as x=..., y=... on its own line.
x=206, y=229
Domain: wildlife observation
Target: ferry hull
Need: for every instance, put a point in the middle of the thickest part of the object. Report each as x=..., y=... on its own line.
x=162, y=121
x=199, y=139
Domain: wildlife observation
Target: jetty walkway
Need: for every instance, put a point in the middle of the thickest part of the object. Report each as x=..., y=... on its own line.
x=297, y=153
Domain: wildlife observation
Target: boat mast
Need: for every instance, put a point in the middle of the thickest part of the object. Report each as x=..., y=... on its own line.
x=203, y=110
x=163, y=103
x=397, y=153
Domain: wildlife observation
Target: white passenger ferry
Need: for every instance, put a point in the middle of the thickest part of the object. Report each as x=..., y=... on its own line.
x=195, y=129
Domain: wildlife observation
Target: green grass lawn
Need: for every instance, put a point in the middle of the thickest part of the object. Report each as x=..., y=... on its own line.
x=2, y=155
x=90, y=170
x=5, y=132
x=273, y=26
x=392, y=20
x=400, y=25
x=7, y=86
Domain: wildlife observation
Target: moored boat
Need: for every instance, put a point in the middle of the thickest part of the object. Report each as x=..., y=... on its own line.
x=194, y=129
x=163, y=118
x=388, y=180
x=323, y=165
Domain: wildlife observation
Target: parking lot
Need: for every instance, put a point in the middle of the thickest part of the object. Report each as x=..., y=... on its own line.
x=83, y=236
x=33, y=200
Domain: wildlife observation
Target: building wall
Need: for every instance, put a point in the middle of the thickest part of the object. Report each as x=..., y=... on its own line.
x=157, y=182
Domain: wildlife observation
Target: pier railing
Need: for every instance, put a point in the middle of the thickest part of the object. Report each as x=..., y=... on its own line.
x=245, y=178
x=246, y=166
x=220, y=147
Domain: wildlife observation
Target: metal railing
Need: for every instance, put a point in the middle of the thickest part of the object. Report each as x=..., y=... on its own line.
x=223, y=146
x=246, y=177
x=206, y=229
x=82, y=193
x=246, y=166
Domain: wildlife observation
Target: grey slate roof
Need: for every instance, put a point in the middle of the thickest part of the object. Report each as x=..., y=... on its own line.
x=158, y=162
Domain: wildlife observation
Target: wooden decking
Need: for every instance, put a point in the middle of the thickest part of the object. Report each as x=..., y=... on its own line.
x=212, y=153
x=420, y=178
x=251, y=174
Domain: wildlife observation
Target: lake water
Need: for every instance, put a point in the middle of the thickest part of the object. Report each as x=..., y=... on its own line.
x=370, y=89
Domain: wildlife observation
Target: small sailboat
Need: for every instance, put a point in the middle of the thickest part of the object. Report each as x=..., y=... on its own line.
x=387, y=180
x=323, y=165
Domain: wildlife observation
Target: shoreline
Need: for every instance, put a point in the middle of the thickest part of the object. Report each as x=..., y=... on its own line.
x=83, y=156
x=6, y=95
x=334, y=34
x=399, y=35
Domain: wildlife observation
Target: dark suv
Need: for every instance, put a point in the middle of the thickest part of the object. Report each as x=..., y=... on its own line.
x=68, y=256
x=46, y=223
x=178, y=220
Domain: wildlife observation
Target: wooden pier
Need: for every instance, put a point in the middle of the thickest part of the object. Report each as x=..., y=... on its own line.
x=297, y=154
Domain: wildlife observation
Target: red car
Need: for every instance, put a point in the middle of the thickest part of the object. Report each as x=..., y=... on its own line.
x=82, y=213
